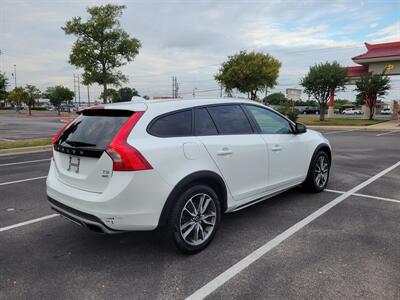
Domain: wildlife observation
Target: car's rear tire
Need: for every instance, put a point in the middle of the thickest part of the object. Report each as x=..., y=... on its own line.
x=318, y=172
x=194, y=219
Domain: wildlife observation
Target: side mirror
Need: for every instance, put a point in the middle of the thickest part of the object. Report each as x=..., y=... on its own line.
x=300, y=128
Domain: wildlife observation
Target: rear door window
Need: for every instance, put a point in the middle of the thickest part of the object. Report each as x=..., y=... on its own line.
x=230, y=119
x=203, y=124
x=94, y=129
x=173, y=125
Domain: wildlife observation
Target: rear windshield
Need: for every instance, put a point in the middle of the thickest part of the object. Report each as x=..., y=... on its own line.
x=94, y=129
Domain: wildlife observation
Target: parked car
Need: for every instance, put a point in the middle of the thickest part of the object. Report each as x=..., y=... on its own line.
x=179, y=165
x=386, y=111
x=67, y=107
x=310, y=111
x=351, y=111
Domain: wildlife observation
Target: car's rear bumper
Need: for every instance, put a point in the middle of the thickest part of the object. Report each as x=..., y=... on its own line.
x=80, y=218
x=131, y=202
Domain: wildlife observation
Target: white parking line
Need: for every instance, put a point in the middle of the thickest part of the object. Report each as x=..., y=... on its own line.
x=22, y=180
x=385, y=133
x=377, y=198
x=365, y=196
x=24, y=162
x=254, y=256
x=28, y=222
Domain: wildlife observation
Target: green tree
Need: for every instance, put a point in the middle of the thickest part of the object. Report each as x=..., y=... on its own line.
x=59, y=95
x=18, y=96
x=276, y=99
x=102, y=46
x=370, y=87
x=111, y=95
x=33, y=93
x=3, y=87
x=126, y=94
x=249, y=73
x=323, y=80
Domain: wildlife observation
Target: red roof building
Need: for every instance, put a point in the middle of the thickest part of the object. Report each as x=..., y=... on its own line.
x=378, y=51
x=378, y=58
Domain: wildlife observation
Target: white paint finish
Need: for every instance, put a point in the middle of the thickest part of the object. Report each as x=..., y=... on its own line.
x=22, y=180
x=28, y=222
x=242, y=160
x=385, y=133
x=94, y=173
x=25, y=162
x=254, y=256
x=292, y=159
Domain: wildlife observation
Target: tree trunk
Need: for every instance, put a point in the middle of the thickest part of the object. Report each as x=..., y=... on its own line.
x=321, y=111
x=59, y=113
x=29, y=110
x=104, y=92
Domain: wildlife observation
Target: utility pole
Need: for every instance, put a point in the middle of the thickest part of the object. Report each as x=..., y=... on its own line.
x=220, y=92
x=173, y=86
x=194, y=92
x=176, y=88
x=15, y=75
x=88, y=95
x=79, y=92
x=74, y=90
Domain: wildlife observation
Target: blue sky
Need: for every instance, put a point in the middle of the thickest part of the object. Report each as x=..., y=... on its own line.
x=189, y=39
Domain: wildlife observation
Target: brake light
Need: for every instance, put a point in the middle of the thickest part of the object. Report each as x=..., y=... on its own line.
x=56, y=137
x=124, y=156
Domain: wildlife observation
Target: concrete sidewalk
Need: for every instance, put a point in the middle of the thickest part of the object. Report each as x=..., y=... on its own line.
x=384, y=126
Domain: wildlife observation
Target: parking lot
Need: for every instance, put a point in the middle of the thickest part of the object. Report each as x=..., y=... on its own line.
x=341, y=243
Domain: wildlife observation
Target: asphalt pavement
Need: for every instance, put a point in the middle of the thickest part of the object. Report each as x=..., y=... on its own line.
x=351, y=250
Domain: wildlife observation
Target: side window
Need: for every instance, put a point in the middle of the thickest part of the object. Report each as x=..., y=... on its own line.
x=268, y=121
x=173, y=125
x=230, y=119
x=203, y=124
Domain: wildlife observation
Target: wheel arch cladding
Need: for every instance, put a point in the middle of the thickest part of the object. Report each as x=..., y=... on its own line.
x=208, y=178
x=321, y=147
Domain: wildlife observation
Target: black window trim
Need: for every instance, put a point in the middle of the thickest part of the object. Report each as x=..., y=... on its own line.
x=250, y=115
x=148, y=128
x=212, y=120
x=254, y=127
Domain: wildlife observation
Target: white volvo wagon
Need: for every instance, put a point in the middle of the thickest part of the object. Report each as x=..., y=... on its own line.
x=179, y=165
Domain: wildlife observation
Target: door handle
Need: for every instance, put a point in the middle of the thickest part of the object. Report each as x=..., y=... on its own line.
x=224, y=151
x=276, y=148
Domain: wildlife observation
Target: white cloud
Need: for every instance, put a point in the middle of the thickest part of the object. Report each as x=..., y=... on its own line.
x=388, y=34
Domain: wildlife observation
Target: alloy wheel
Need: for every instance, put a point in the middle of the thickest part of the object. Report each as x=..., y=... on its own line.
x=321, y=171
x=198, y=219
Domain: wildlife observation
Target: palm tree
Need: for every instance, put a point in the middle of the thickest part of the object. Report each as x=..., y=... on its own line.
x=370, y=87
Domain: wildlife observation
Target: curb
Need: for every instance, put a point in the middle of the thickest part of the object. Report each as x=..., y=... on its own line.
x=25, y=150
x=354, y=128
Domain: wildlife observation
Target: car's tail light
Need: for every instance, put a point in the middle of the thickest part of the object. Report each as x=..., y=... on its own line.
x=57, y=136
x=124, y=156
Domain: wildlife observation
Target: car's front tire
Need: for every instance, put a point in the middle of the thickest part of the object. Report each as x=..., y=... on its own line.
x=194, y=219
x=318, y=172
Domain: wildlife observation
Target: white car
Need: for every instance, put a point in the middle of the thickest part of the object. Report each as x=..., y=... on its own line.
x=352, y=111
x=179, y=165
x=386, y=111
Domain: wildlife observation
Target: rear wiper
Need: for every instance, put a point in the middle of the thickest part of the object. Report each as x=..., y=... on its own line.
x=80, y=144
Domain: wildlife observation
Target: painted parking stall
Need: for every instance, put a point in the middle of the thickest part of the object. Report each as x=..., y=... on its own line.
x=351, y=249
